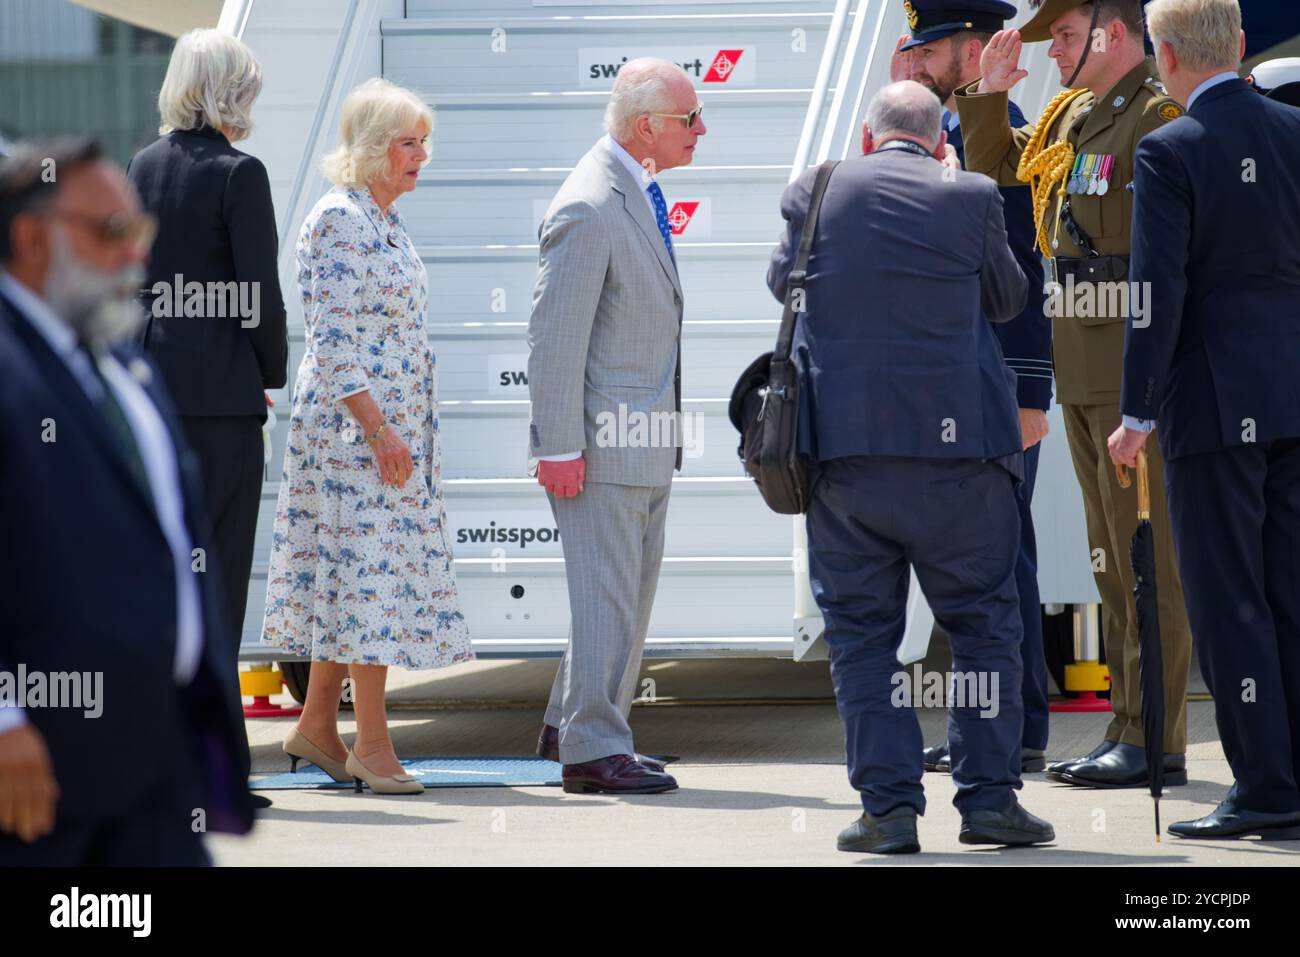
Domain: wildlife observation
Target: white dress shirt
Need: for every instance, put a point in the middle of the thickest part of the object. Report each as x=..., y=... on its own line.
x=1132, y=421
x=642, y=176
x=160, y=462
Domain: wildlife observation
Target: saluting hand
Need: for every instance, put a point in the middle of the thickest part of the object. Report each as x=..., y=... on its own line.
x=1000, y=63
x=900, y=64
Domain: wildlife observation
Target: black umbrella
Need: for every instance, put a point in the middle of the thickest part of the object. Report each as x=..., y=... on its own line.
x=1151, y=666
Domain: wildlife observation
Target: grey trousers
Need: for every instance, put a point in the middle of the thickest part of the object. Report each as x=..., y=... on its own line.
x=613, y=541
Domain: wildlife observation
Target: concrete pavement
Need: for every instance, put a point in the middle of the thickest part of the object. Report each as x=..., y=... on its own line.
x=761, y=784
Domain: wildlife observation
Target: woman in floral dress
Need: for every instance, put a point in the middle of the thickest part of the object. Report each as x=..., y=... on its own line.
x=361, y=571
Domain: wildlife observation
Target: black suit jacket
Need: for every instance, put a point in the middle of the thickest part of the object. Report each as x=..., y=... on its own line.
x=89, y=586
x=1027, y=339
x=216, y=223
x=1215, y=219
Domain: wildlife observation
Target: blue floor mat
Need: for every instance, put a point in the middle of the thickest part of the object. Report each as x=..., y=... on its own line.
x=432, y=772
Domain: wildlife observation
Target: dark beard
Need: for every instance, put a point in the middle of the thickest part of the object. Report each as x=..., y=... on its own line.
x=944, y=86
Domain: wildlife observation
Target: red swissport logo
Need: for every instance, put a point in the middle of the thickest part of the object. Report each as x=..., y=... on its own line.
x=680, y=216
x=723, y=64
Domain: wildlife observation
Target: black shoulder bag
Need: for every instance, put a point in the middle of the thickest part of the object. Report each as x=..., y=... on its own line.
x=764, y=405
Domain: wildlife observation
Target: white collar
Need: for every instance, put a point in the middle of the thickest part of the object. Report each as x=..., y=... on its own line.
x=57, y=334
x=638, y=172
x=1212, y=82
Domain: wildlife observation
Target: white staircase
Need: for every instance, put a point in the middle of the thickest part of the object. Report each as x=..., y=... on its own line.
x=519, y=89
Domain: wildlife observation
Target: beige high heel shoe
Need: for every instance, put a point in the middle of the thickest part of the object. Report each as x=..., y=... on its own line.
x=396, y=784
x=299, y=748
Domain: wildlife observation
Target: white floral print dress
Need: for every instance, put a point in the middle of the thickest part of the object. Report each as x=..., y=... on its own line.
x=361, y=572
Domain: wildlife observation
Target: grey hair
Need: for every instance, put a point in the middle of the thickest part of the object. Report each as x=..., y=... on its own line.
x=641, y=87
x=212, y=78
x=1206, y=34
x=906, y=107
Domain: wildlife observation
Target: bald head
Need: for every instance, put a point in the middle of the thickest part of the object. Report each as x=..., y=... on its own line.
x=905, y=110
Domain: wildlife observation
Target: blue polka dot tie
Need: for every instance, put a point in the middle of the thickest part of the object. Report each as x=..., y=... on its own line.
x=661, y=215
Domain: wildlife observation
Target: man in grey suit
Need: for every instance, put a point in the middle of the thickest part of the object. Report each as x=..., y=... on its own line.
x=914, y=435
x=604, y=378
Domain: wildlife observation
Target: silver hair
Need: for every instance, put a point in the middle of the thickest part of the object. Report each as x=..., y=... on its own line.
x=906, y=107
x=641, y=87
x=211, y=78
x=1206, y=34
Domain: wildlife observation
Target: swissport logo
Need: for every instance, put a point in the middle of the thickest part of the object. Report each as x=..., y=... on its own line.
x=490, y=533
x=723, y=65
x=598, y=66
x=691, y=218
x=679, y=217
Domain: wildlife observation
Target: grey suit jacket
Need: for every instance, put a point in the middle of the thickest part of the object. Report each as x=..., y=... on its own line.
x=604, y=336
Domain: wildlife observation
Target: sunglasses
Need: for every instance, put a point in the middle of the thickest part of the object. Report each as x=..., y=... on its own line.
x=688, y=118
x=138, y=231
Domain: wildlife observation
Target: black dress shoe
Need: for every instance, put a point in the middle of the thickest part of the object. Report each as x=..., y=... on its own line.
x=1095, y=753
x=548, y=747
x=937, y=759
x=1227, y=821
x=260, y=801
x=1014, y=826
x=616, y=774
x=1123, y=766
x=891, y=833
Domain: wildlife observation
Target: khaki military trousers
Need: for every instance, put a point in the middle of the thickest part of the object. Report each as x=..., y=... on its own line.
x=1111, y=514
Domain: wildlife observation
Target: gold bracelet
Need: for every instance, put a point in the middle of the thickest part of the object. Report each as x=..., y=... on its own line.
x=374, y=436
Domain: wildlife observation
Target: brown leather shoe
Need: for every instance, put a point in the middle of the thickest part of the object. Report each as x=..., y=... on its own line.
x=548, y=747
x=616, y=774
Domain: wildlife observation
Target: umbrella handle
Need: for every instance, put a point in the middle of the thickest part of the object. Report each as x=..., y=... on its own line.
x=1144, y=488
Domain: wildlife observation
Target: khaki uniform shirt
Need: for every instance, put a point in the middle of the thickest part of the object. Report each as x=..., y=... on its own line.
x=1087, y=352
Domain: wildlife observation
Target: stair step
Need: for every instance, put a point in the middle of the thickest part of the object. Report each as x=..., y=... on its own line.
x=506, y=519
x=739, y=209
x=725, y=598
x=443, y=56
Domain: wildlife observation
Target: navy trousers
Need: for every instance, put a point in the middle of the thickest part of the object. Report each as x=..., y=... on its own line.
x=956, y=523
x=1032, y=658
x=1236, y=523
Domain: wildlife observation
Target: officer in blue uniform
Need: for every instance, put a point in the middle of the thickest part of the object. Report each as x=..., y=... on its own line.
x=942, y=54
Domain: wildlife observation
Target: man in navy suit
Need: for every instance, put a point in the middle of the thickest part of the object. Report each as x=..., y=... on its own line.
x=942, y=54
x=1213, y=371
x=109, y=596
x=912, y=427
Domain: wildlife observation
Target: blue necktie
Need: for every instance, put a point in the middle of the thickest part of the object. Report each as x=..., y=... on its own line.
x=661, y=215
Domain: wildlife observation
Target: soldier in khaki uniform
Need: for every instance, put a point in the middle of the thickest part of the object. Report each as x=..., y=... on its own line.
x=1079, y=162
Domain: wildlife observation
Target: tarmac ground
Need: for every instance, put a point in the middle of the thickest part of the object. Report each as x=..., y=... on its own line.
x=761, y=774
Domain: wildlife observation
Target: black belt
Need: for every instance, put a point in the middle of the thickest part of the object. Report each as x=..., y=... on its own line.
x=1094, y=269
